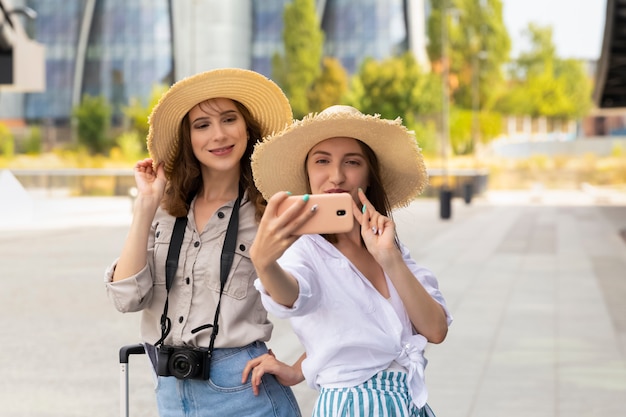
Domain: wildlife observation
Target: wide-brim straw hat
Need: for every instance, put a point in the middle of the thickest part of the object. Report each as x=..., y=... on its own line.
x=262, y=97
x=278, y=162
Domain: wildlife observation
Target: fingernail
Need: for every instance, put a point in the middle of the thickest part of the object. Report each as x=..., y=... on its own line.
x=288, y=192
x=314, y=208
x=305, y=197
x=374, y=230
x=363, y=209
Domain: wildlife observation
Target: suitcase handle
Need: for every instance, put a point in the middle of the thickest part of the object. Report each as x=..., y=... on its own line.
x=126, y=351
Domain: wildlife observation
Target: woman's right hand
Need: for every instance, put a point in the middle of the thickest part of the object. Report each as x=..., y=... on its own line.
x=150, y=182
x=276, y=232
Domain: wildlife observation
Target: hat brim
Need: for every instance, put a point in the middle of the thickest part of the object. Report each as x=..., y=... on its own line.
x=262, y=97
x=278, y=163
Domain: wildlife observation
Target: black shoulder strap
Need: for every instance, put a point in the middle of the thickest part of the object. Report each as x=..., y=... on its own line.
x=226, y=262
x=173, y=253
x=171, y=265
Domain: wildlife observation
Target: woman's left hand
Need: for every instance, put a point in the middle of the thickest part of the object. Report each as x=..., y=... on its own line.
x=378, y=231
x=268, y=364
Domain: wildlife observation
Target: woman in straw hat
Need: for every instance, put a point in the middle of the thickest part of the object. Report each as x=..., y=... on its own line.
x=360, y=305
x=197, y=210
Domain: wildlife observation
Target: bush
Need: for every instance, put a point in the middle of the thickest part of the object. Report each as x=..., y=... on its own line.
x=93, y=117
x=32, y=144
x=7, y=142
x=130, y=146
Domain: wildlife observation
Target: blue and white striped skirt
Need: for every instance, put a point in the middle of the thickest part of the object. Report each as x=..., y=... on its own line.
x=386, y=394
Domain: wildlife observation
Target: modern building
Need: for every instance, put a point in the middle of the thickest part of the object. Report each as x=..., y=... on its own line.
x=120, y=49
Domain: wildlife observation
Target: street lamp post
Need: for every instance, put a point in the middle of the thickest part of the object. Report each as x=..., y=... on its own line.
x=468, y=187
x=445, y=194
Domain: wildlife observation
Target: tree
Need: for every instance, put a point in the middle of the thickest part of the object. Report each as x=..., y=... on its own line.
x=7, y=142
x=138, y=113
x=330, y=87
x=541, y=84
x=477, y=42
x=477, y=47
x=93, y=116
x=300, y=67
x=396, y=87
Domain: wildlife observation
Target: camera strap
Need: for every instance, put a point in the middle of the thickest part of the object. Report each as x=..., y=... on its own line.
x=226, y=261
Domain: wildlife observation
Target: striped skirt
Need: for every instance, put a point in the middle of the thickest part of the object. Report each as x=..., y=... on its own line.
x=386, y=394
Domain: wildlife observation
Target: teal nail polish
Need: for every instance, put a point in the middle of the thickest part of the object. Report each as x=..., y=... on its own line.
x=305, y=197
x=363, y=209
x=288, y=192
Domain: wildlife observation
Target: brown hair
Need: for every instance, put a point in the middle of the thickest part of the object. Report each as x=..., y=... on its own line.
x=186, y=180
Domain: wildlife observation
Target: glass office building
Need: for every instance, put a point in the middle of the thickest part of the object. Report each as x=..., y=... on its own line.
x=353, y=29
x=120, y=49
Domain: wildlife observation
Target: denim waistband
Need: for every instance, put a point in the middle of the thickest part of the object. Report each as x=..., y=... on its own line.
x=257, y=346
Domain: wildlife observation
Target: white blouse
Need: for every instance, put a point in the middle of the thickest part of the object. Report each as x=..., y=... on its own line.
x=349, y=330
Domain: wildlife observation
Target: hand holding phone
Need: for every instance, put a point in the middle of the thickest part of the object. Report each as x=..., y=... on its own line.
x=333, y=214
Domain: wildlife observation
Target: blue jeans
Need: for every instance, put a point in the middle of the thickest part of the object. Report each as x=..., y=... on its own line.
x=223, y=394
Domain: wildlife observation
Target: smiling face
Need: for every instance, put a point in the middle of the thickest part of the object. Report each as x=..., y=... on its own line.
x=218, y=134
x=337, y=165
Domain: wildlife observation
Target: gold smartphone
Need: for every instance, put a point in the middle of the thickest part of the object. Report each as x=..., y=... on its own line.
x=334, y=213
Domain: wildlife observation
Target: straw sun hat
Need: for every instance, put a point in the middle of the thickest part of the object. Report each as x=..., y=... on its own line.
x=262, y=97
x=278, y=163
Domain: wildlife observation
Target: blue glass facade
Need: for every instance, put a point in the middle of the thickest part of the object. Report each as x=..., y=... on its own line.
x=356, y=30
x=128, y=51
x=128, y=45
x=267, y=33
x=353, y=30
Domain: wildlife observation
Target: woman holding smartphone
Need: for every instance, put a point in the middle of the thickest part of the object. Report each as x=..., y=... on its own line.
x=360, y=305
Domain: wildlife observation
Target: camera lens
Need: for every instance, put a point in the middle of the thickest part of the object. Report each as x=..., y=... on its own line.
x=183, y=364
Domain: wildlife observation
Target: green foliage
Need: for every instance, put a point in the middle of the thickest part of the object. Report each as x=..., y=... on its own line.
x=477, y=42
x=131, y=146
x=617, y=151
x=33, y=143
x=461, y=121
x=93, y=117
x=427, y=138
x=490, y=125
x=460, y=131
x=138, y=114
x=577, y=86
x=544, y=85
x=7, y=142
x=300, y=67
x=395, y=87
x=330, y=88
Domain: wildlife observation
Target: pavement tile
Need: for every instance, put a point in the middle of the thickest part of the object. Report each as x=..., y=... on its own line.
x=535, y=282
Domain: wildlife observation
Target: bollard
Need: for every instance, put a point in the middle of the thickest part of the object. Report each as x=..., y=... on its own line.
x=468, y=192
x=445, y=198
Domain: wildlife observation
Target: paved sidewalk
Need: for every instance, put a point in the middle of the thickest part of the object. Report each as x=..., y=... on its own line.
x=536, y=283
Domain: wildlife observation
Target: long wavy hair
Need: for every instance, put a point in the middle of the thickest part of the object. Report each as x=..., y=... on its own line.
x=185, y=180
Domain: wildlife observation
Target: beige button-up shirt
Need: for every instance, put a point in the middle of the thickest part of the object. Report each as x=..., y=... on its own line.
x=195, y=290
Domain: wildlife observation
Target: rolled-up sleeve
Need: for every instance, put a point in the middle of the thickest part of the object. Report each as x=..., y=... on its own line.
x=132, y=293
x=281, y=311
x=428, y=280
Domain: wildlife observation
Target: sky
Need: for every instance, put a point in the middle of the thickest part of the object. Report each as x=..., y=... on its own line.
x=577, y=25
